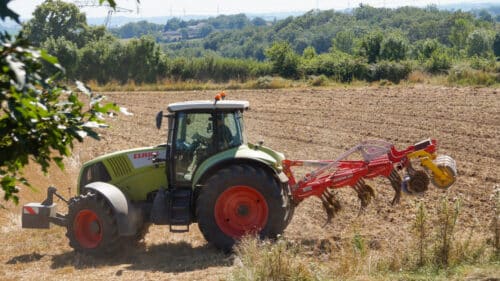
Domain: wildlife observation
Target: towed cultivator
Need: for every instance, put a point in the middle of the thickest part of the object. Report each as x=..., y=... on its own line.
x=208, y=173
x=380, y=159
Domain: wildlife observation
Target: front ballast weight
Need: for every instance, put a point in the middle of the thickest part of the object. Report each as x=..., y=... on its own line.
x=40, y=215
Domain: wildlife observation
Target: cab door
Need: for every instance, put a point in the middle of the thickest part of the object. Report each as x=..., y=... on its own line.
x=193, y=142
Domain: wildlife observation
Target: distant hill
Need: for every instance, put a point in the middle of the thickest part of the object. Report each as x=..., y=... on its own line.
x=117, y=21
x=490, y=6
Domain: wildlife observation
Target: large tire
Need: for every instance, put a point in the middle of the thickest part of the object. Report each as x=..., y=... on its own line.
x=92, y=227
x=239, y=200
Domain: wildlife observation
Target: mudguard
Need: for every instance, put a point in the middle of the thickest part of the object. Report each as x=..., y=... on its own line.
x=249, y=153
x=128, y=218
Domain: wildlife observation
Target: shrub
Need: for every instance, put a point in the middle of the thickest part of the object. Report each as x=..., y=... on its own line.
x=417, y=76
x=496, y=45
x=484, y=64
x=439, y=62
x=446, y=221
x=268, y=82
x=370, y=46
x=284, y=60
x=392, y=71
x=393, y=48
x=340, y=66
x=495, y=224
x=317, y=81
x=479, y=43
x=420, y=231
x=263, y=82
x=464, y=75
x=270, y=261
x=423, y=49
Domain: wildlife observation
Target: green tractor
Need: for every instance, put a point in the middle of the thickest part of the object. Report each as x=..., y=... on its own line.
x=206, y=172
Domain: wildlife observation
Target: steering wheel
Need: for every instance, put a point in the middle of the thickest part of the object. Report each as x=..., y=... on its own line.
x=199, y=139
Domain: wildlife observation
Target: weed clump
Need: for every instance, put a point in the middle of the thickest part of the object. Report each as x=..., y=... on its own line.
x=495, y=224
x=265, y=260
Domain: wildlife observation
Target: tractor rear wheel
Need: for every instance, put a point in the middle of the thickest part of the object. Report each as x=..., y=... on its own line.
x=239, y=200
x=92, y=227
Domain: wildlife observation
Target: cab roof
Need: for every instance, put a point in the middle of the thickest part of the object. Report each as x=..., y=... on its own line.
x=205, y=104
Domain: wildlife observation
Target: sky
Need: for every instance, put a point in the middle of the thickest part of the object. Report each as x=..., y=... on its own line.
x=154, y=8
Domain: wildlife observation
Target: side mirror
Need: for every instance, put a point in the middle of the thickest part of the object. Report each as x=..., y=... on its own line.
x=159, y=118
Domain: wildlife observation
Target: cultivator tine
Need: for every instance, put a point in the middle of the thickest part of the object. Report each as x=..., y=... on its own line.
x=330, y=212
x=395, y=180
x=331, y=205
x=365, y=193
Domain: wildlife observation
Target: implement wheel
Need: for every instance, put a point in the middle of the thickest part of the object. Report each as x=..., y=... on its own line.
x=240, y=200
x=92, y=227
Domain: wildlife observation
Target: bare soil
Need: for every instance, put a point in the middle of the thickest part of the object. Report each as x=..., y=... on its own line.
x=304, y=124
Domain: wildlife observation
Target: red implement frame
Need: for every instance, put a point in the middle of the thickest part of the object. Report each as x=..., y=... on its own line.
x=379, y=159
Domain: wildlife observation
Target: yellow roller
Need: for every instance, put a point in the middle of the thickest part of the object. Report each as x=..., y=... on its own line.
x=442, y=167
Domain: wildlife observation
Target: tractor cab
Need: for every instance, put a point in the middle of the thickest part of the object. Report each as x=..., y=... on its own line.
x=199, y=130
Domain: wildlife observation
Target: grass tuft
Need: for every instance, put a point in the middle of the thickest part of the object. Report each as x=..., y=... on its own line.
x=264, y=260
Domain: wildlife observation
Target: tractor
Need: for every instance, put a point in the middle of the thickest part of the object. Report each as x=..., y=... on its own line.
x=207, y=172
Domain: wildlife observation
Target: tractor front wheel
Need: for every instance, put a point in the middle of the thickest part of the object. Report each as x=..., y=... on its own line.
x=239, y=200
x=92, y=227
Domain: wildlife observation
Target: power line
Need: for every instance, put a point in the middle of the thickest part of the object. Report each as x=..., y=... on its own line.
x=95, y=3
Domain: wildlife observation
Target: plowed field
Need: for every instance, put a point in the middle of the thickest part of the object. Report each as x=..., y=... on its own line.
x=304, y=124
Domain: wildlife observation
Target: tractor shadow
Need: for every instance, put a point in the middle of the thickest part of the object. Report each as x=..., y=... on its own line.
x=166, y=257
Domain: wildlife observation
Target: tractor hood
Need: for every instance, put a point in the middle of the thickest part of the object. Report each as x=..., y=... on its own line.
x=138, y=157
x=130, y=170
x=247, y=151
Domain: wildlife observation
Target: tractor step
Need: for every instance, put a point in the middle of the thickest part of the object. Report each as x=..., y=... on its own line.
x=180, y=210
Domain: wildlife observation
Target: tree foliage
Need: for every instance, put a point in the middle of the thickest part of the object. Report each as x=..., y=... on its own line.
x=479, y=43
x=371, y=45
x=393, y=48
x=39, y=117
x=284, y=60
x=55, y=18
x=138, y=29
x=344, y=41
x=496, y=45
x=459, y=32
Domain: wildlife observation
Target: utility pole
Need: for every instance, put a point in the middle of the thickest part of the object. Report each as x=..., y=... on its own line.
x=95, y=3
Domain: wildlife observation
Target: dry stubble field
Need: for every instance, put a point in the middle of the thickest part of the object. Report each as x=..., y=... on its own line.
x=304, y=124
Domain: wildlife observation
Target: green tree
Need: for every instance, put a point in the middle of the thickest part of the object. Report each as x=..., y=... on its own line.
x=284, y=60
x=39, y=115
x=206, y=30
x=428, y=47
x=393, y=48
x=65, y=51
x=55, y=18
x=496, y=45
x=370, y=46
x=98, y=61
x=39, y=118
x=344, y=41
x=479, y=43
x=309, y=53
x=258, y=21
x=173, y=24
x=439, y=62
x=144, y=60
x=184, y=33
x=459, y=32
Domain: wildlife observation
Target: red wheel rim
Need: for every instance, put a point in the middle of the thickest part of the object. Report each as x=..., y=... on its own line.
x=88, y=229
x=240, y=210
